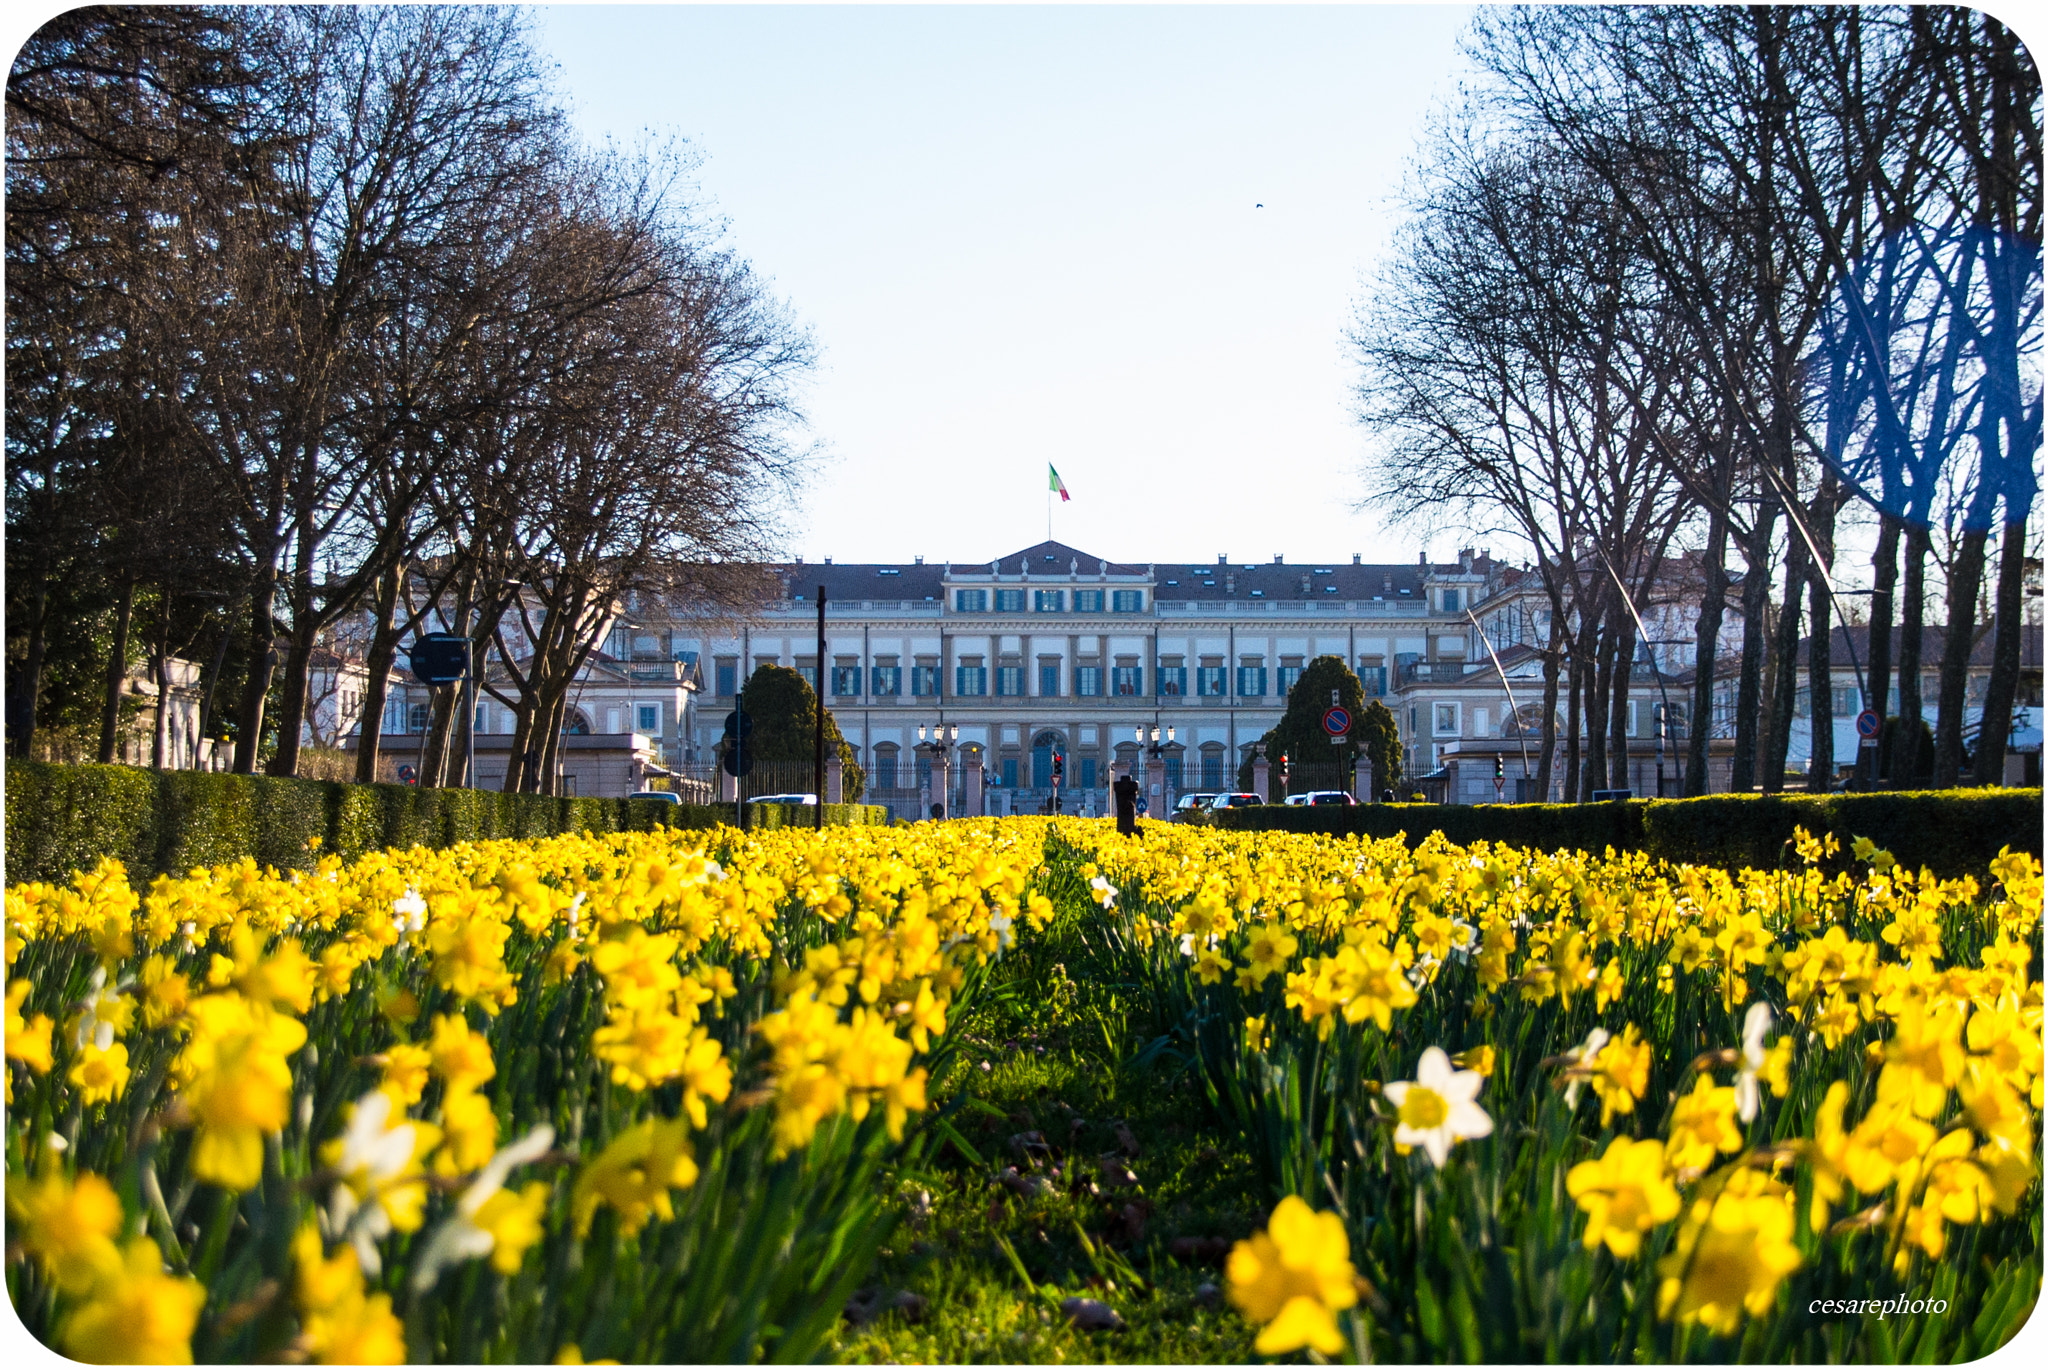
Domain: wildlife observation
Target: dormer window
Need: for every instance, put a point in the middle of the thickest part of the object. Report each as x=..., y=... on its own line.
x=1450, y=601
x=1259, y=594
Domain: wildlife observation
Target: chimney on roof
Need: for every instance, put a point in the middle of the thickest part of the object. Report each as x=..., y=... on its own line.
x=828, y=561
x=1464, y=558
x=1422, y=558
x=1356, y=558
x=799, y=558
x=1222, y=559
x=1277, y=558
x=920, y=561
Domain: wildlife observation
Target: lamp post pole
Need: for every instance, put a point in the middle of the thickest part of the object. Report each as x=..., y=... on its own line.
x=818, y=742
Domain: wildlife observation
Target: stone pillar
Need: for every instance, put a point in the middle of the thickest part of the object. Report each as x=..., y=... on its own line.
x=971, y=805
x=1155, y=787
x=1261, y=773
x=835, y=777
x=728, y=787
x=942, y=786
x=1361, y=780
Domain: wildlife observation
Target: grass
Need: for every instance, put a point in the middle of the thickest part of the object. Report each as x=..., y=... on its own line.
x=991, y=1244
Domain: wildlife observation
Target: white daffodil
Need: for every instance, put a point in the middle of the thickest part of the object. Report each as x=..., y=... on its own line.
x=459, y=1237
x=1419, y=973
x=1001, y=924
x=410, y=911
x=1582, y=1062
x=90, y=1027
x=1436, y=1108
x=576, y=910
x=1755, y=1024
x=1105, y=893
x=371, y=1157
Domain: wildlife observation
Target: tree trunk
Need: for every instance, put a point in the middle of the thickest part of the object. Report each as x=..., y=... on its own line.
x=1784, y=673
x=1706, y=641
x=1966, y=575
x=1550, y=673
x=1884, y=566
x=160, y=676
x=1600, y=681
x=262, y=661
x=117, y=673
x=382, y=656
x=1912, y=621
x=1749, y=712
x=1820, y=683
x=1618, y=730
x=2005, y=654
x=1575, y=702
x=291, y=706
x=21, y=706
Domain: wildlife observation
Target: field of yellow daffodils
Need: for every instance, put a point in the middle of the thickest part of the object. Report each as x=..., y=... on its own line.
x=677, y=1096
x=590, y=1098
x=1527, y=1107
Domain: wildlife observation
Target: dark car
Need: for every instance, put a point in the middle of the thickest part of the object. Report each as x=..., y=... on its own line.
x=1189, y=808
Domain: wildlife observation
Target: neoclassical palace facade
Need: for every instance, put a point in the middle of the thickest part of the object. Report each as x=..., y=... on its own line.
x=1054, y=650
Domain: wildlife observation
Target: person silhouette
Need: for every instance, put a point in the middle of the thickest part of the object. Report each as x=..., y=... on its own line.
x=1126, y=792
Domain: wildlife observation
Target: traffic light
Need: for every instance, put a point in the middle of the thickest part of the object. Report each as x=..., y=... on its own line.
x=1500, y=768
x=1059, y=767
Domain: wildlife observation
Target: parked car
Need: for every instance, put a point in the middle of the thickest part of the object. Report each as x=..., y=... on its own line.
x=656, y=796
x=1190, y=807
x=1234, y=800
x=784, y=799
x=1319, y=797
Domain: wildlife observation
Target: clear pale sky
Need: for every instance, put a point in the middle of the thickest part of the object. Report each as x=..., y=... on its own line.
x=1023, y=235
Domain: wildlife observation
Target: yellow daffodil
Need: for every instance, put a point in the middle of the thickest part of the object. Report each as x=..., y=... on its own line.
x=1293, y=1278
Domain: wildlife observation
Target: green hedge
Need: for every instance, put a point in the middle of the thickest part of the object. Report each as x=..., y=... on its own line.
x=1952, y=832
x=65, y=818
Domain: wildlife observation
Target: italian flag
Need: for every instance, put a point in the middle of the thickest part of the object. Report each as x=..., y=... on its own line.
x=1057, y=483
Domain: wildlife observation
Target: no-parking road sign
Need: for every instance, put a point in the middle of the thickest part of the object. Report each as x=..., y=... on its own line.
x=1336, y=720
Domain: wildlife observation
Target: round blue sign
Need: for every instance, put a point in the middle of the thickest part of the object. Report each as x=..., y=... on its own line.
x=1336, y=721
x=1867, y=724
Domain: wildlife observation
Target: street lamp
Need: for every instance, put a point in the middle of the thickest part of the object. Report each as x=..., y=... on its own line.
x=942, y=738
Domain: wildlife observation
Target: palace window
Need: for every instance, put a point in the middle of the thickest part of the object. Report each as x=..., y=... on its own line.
x=1209, y=682
x=1173, y=680
x=1088, y=681
x=970, y=680
x=1087, y=772
x=1048, y=601
x=1009, y=680
x=1128, y=601
x=924, y=681
x=647, y=719
x=1374, y=678
x=1251, y=681
x=1446, y=722
x=888, y=681
x=885, y=768
x=1450, y=601
x=846, y=680
x=1287, y=676
x=1128, y=680
x=1087, y=601
x=728, y=678
x=970, y=601
x=1010, y=771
